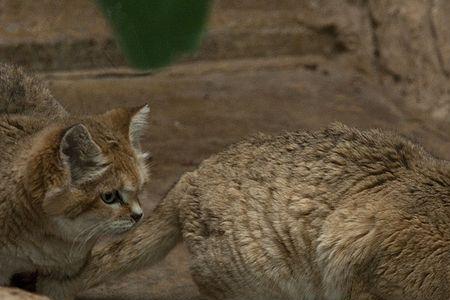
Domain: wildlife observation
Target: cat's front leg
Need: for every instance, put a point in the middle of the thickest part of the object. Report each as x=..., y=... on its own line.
x=57, y=289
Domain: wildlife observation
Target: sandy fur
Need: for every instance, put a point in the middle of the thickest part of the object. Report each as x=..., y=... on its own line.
x=333, y=214
x=53, y=169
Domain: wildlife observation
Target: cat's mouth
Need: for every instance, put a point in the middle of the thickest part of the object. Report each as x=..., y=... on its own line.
x=103, y=229
x=121, y=226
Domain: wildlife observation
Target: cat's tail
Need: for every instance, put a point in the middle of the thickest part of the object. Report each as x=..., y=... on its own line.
x=24, y=94
x=146, y=245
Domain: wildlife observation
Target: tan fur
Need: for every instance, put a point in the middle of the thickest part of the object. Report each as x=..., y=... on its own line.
x=23, y=94
x=52, y=174
x=333, y=214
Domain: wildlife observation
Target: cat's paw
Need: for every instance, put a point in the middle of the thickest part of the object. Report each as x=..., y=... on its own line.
x=57, y=290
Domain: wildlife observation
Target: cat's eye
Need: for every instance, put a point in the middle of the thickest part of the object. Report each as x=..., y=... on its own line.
x=111, y=197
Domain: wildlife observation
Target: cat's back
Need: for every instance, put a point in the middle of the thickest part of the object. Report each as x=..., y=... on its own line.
x=264, y=208
x=324, y=164
x=269, y=184
x=26, y=107
x=25, y=94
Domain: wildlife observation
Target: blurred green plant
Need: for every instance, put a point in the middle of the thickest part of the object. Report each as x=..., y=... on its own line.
x=152, y=33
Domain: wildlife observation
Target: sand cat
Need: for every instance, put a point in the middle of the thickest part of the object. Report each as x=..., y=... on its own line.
x=333, y=214
x=64, y=181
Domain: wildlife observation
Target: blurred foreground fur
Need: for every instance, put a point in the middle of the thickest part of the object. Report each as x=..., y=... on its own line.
x=18, y=294
x=65, y=181
x=332, y=214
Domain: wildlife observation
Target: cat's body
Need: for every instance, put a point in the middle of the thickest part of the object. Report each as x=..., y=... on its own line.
x=21, y=222
x=333, y=214
x=56, y=174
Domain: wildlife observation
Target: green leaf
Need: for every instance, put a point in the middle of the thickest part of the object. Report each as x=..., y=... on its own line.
x=152, y=33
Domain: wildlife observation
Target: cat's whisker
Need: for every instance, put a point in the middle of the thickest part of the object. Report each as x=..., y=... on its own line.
x=76, y=240
x=93, y=232
x=89, y=233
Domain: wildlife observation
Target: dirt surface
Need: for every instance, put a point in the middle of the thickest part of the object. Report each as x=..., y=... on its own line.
x=264, y=66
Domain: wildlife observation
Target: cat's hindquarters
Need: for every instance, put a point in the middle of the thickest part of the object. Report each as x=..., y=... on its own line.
x=24, y=94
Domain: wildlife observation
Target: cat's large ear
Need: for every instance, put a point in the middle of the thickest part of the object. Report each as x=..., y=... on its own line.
x=131, y=122
x=137, y=124
x=82, y=155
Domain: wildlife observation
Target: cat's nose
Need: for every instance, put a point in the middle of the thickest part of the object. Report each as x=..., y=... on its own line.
x=136, y=211
x=136, y=216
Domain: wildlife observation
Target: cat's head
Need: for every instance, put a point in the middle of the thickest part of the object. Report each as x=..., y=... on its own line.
x=88, y=174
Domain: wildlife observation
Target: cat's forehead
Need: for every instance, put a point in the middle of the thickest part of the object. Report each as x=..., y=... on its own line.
x=126, y=169
x=131, y=184
x=126, y=173
x=119, y=179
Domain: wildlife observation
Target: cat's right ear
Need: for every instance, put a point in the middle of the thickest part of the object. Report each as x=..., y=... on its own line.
x=81, y=155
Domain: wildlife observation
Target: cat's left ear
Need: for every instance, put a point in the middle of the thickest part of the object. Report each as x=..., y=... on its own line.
x=81, y=154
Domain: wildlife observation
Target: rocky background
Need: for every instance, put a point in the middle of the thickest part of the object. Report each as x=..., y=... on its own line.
x=264, y=65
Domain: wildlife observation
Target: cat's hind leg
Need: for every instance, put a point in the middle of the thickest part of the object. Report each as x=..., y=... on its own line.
x=219, y=277
x=213, y=271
